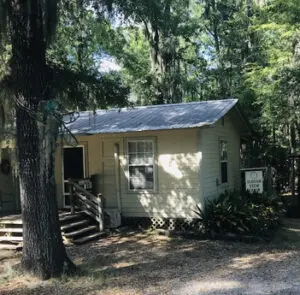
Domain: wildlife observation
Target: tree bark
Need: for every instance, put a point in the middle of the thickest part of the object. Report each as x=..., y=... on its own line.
x=44, y=253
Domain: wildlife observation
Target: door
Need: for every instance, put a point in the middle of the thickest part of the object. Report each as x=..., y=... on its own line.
x=73, y=167
x=9, y=196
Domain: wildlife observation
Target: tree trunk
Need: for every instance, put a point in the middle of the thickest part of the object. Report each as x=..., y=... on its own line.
x=44, y=253
x=43, y=249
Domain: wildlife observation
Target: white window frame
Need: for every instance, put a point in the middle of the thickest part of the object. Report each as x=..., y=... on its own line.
x=223, y=161
x=142, y=139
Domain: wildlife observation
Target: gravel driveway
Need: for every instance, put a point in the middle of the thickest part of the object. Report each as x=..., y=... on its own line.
x=148, y=264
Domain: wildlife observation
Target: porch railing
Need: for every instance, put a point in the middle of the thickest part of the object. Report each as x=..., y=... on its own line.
x=87, y=202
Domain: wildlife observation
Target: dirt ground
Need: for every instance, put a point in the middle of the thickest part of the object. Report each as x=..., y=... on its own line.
x=149, y=264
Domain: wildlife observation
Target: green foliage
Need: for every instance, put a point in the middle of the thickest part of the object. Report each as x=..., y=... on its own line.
x=173, y=51
x=248, y=214
x=160, y=46
x=74, y=58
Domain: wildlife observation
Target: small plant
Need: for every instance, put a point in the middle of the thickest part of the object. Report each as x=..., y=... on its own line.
x=249, y=214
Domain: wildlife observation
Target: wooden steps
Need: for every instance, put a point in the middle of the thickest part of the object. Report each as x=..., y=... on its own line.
x=67, y=216
x=78, y=228
x=11, y=238
x=89, y=238
x=11, y=232
x=10, y=246
x=81, y=231
x=11, y=221
x=72, y=225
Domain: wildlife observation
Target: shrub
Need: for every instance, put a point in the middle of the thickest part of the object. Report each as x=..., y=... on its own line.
x=248, y=214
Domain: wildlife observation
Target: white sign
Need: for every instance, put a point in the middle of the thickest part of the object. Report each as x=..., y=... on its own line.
x=254, y=181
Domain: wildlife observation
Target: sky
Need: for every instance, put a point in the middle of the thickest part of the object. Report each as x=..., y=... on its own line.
x=108, y=64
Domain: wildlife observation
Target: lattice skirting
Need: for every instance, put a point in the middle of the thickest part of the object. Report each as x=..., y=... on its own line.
x=178, y=224
x=182, y=224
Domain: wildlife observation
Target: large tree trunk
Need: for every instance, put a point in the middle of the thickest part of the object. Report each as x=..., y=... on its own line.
x=43, y=250
x=44, y=253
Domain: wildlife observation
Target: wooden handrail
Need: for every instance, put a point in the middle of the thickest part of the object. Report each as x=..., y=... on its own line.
x=88, y=202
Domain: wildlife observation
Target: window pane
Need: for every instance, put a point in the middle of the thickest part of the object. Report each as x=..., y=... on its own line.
x=141, y=171
x=148, y=159
x=149, y=184
x=135, y=171
x=132, y=147
x=137, y=159
x=148, y=147
x=223, y=150
x=140, y=183
x=137, y=183
x=141, y=177
x=224, y=176
x=149, y=170
x=141, y=147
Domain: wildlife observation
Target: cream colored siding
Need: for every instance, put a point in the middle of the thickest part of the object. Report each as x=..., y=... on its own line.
x=176, y=177
x=210, y=174
x=177, y=170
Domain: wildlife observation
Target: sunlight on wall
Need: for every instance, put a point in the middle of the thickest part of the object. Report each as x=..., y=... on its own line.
x=169, y=204
x=170, y=165
x=179, y=165
x=178, y=189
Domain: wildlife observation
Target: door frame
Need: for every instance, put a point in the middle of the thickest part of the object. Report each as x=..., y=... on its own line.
x=83, y=147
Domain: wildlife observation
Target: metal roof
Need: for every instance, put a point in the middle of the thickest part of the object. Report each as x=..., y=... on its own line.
x=154, y=117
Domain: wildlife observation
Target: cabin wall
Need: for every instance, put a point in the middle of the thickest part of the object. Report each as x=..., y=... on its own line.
x=210, y=174
x=177, y=160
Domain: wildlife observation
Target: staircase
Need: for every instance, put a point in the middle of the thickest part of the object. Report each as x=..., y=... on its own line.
x=11, y=233
x=77, y=228
x=83, y=223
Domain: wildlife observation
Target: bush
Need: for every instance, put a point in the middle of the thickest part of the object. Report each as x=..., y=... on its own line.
x=248, y=214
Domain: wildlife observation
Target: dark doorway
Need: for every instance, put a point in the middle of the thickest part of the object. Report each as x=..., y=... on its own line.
x=73, y=167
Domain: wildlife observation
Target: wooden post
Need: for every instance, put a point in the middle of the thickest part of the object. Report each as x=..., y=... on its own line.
x=71, y=188
x=100, y=213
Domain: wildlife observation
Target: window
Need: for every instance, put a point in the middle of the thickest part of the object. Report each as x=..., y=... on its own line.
x=224, y=161
x=141, y=164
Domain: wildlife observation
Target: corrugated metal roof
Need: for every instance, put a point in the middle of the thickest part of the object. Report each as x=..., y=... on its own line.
x=155, y=117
